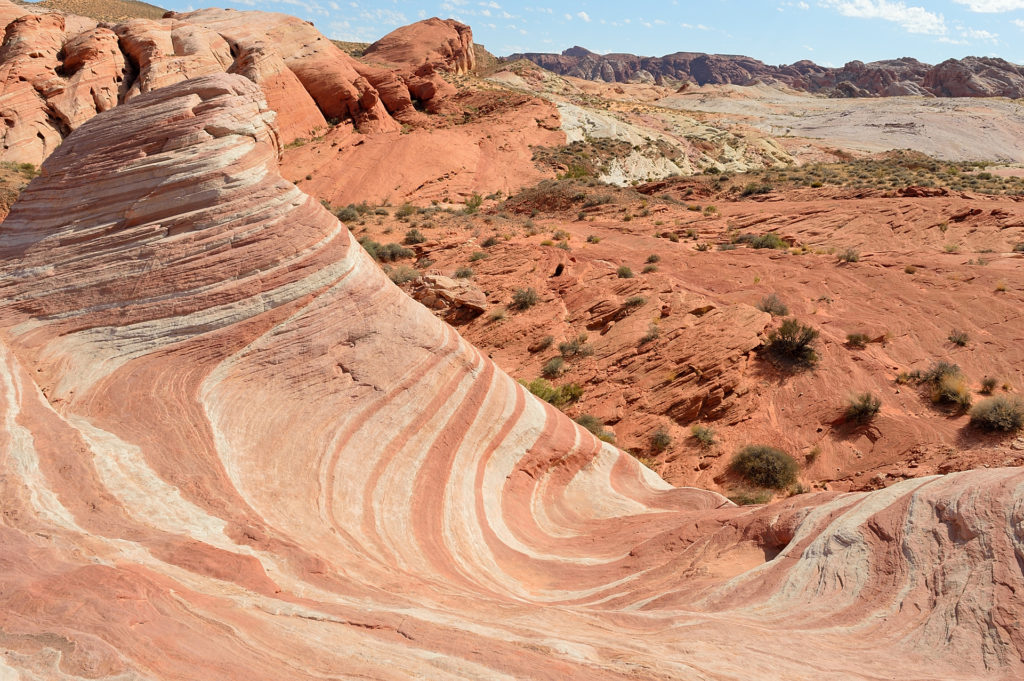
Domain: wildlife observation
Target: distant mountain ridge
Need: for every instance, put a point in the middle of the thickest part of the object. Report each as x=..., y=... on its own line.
x=968, y=77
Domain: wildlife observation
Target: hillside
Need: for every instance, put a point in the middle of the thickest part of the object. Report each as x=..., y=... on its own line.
x=969, y=77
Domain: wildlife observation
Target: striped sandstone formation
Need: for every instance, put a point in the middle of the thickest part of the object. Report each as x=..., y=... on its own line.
x=231, y=449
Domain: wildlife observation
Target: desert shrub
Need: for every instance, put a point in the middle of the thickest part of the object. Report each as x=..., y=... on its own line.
x=773, y=305
x=543, y=344
x=988, y=384
x=958, y=337
x=624, y=272
x=392, y=252
x=464, y=273
x=478, y=255
x=559, y=397
x=754, y=189
x=635, y=301
x=704, y=435
x=402, y=274
x=1003, y=412
x=650, y=268
x=553, y=368
x=1018, y=247
x=473, y=203
x=849, y=255
x=414, y=236
x=660, y=440
x=490, y=241
x=938, y=371
x=593, y=239
x=765, y=466
x=769, y=240
x=910, y=269
x=857, y=340
x=577, y=347
x=703, y=247
x=863, y=407
x=948, y=385
x=497, y=315
x=405, y=210
x=347, y=214
x=564, y=245
x=595, y=426
x=653, y=332
x=653, y=258
x=524, y=298
x=561, y=235
x=792, y=343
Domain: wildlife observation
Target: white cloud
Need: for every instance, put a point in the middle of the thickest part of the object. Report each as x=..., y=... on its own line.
x=913, y=19
x=992, y=5
x=1019, y=23
x=584, y=16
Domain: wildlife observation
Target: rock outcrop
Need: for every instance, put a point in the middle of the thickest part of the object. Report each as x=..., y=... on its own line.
x=968, y=77
x=231, y=448
x=57, y=71
x=442, y=43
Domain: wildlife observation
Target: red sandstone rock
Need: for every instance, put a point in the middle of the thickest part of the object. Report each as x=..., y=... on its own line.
x=445, y=44
x=233, y=449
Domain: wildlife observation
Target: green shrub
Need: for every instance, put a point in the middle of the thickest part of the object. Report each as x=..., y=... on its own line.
x=593, y=239
x=957, y=337
x=524, y=298
x=849, y=255
x=1018, y=247
x=988, y=384
x=660, y=440
x=392, y=252
x=595, y=426
x=347, y=214
x=479, y=255
x=650, y=268
x=769, y=240
x=773, y=305
x=792, y=342
x=765, y=466
x=577, y=347
x=1003, y=412
x=473, y=203
x=635, y=301
x=402, y=274
x=952, y=389
x=703, y=435
x=863, y=407
x=857, y=340
x=464, y=273
x=414, y=236
x=754, y=189
x=490, y=241
x=653, y=258
x=543, y=344
x=405, y=210
x=624, y=272
x=553, y=368
x=653, y=332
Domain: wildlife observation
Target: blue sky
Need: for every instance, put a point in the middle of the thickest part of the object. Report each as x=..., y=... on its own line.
x=830, y=32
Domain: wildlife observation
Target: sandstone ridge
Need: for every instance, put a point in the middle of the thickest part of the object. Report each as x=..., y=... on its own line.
x=58, y=70
x=968, y=77
x=233, y=449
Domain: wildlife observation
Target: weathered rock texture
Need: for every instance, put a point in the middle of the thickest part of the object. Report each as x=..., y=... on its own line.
x=57, y=71
x=231, y=449
x=969, y=77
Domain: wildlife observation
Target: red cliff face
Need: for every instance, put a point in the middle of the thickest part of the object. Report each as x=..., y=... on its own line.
x=230, y=448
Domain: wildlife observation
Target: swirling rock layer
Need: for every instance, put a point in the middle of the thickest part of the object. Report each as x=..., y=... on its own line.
x=230, y=448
